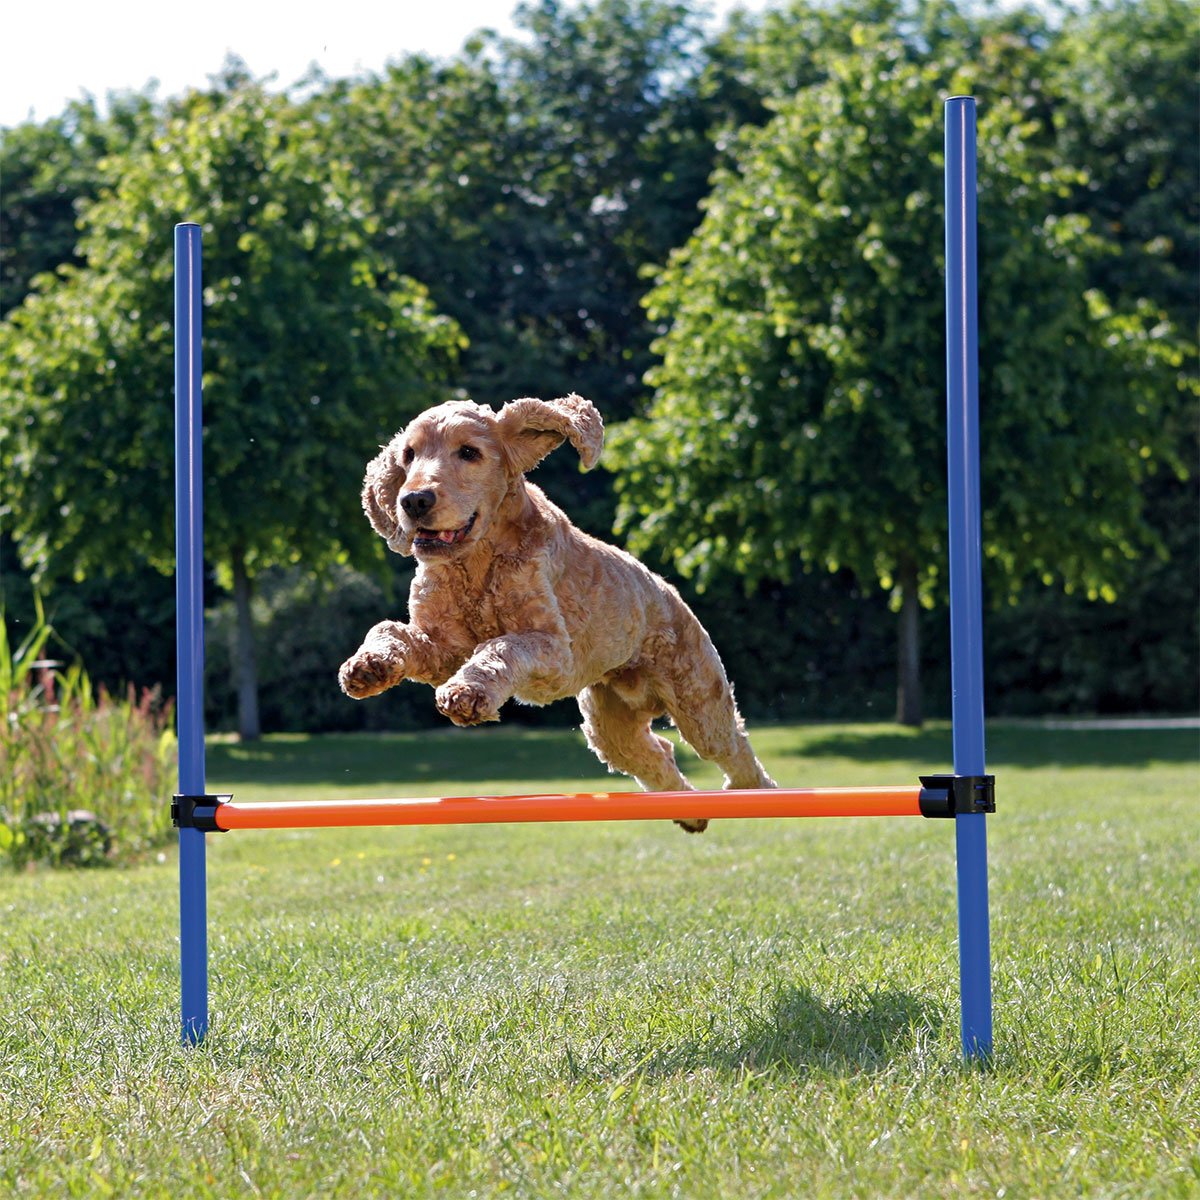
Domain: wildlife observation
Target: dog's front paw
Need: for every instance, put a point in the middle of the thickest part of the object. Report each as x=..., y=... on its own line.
x=695, y=825
x=368, y=673
x=465, y=703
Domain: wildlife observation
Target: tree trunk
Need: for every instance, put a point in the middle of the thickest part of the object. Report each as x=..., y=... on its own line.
x=908, y=659
x=245, y=667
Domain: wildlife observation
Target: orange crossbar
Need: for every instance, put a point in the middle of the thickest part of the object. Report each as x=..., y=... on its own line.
x=581, y=806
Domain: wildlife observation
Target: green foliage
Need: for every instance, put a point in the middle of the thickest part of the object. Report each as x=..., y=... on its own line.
x=759, y=60
x=308, y=625
x=429, y=145
x=1126, y=78
x=535, y=186
x=85, y=615
x=798, y=412
x=81, y=773
x=527, y=182
x=49, y=170
x=818, y=647
x=314, y=352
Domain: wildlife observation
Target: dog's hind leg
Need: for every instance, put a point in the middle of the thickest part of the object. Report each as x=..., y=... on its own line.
x=620, y=735
x=702, y=706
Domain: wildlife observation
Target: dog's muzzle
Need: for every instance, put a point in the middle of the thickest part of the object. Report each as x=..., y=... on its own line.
x=429, y=538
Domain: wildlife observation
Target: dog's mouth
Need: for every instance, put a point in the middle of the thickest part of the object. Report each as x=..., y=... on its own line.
x=438, y=539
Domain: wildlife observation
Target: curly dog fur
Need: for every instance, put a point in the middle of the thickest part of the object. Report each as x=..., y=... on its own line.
x=511, y=600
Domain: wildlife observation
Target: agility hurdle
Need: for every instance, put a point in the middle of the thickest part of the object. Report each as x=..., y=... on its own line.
x=217, y=814
x=965, y=796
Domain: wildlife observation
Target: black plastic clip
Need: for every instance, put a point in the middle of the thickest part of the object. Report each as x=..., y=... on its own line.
x=197, y=812
x=950, y=795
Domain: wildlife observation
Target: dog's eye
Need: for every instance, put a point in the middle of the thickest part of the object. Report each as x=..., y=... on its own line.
x=469, y=454
x=407, y=456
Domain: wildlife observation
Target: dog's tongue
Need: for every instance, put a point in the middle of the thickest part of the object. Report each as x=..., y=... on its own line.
x=446, y=536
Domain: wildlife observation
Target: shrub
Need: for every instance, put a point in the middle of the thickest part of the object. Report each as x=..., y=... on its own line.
x=84, y=776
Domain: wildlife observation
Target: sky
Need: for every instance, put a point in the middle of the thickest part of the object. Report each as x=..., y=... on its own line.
x=54, y=51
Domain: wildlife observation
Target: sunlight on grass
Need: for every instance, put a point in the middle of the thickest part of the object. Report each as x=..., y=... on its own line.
x=769, y=1010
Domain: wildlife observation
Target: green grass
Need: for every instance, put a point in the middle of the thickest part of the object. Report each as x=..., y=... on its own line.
x=769, y=1010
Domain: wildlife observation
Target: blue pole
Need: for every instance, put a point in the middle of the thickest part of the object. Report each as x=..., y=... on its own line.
x=189, y=628
x=966, y=588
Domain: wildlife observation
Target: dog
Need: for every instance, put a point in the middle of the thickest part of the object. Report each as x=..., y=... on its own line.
x=511, y=600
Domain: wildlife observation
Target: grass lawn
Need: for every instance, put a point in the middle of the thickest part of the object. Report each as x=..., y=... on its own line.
x=768, y=1010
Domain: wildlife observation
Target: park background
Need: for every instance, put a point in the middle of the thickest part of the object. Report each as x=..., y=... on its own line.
x=728, y=236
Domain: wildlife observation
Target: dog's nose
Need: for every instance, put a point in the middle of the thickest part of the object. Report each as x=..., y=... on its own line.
x=417, y=504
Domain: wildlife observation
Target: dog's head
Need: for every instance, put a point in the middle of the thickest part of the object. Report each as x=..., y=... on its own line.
x=433, y=490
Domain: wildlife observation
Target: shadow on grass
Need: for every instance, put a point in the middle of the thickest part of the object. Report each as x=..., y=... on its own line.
x=931, y=746
x=524, y=755
x=1012, y=745
x=799, y=1032
x=466, y=755
x=861, y=1033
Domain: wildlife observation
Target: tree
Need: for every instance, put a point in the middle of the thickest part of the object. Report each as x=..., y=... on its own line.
x=315, y=352
x=49, y=169
x=761, y=59
x=798, y=408
x=1126, y=77
x=527, y=182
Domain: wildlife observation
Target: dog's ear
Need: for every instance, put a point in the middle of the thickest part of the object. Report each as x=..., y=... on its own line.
x=530, y=429
x=381, y=488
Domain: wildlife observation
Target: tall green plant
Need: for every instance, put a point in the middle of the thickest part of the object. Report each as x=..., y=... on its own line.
x=67, y=748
